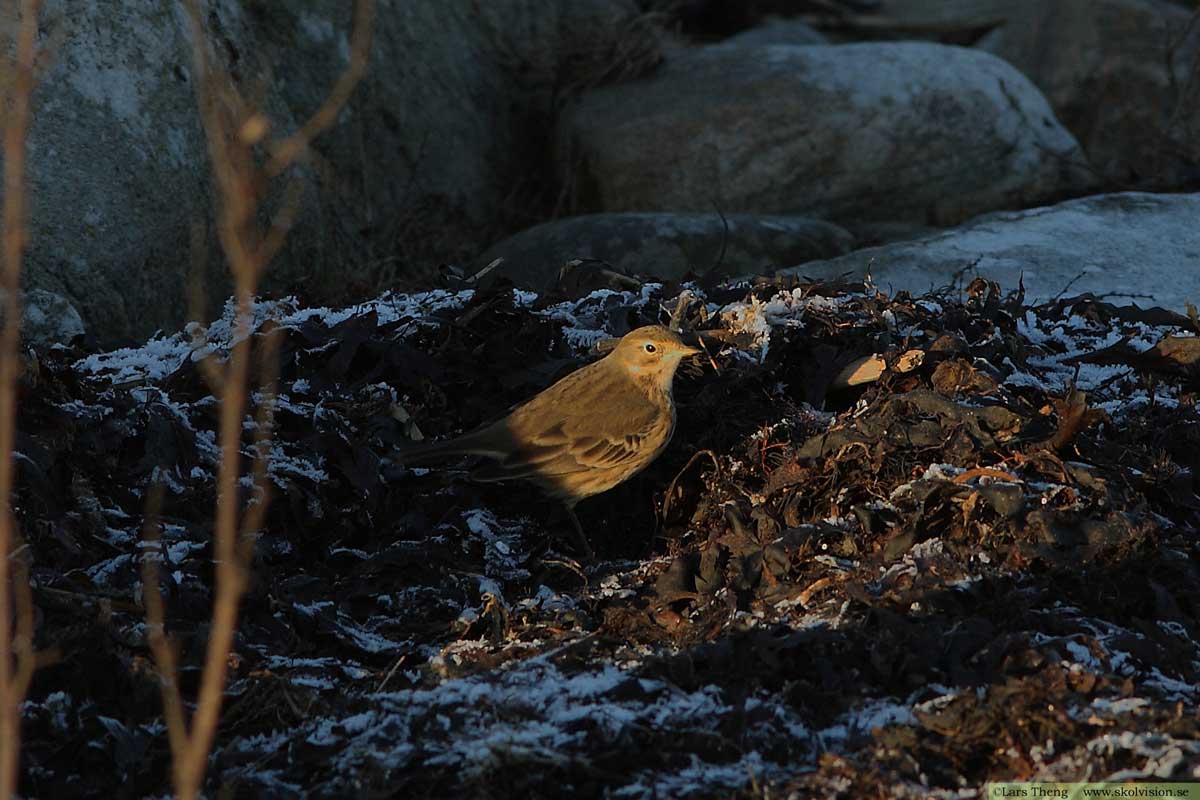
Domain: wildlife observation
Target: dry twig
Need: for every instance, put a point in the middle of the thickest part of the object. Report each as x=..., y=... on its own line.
x=16, y=641
x=233, y=130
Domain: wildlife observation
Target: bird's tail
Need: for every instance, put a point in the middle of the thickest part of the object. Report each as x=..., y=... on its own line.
x=472, y=444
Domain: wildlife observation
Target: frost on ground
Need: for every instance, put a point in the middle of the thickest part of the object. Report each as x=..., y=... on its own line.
x=983, y=567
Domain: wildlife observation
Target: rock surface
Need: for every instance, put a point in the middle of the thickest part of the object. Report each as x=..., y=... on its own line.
x=49, y=319
x=429, y=149
x=117, y=168
x=449, y=129
x=666, y=246
x=1103, y=65
x=1135, y=245
x=913, y=132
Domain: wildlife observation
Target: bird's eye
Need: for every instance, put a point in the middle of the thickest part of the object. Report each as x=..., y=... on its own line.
x=650, y=348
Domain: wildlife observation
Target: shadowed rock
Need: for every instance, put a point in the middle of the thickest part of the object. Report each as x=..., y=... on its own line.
x=666, y=246
x=893, y=131
x=1144, y=246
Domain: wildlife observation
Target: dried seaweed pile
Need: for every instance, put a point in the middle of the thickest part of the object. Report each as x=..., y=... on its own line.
x=983, y=562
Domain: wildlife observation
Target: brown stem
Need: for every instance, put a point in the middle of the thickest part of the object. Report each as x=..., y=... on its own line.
x=160, y=645
x=293, y=147
x=16, y=646
x=248, y=249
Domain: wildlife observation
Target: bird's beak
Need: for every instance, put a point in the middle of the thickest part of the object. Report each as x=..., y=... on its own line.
x=691, y=351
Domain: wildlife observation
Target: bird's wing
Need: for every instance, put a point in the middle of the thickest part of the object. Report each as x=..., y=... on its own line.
x=555, y=456
x=606, y=452
x=590, y=432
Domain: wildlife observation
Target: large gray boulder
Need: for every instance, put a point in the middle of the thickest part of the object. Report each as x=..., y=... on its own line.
x=666, y=246
x=1105, y=66
x=117, y=167
x=452, y=116
x=892, y=131
x=1134, y=245
x=1120, y=74
x=451, y=125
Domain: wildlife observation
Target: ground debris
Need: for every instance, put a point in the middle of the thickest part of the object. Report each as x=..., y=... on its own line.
x=980, y=563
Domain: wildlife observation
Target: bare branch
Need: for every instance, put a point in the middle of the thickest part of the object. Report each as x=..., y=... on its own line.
x=16, y=646
x=160, y=645
x=232, y=130
x=292, y=148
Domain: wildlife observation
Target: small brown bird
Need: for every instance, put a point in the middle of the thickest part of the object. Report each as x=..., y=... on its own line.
x=592, y=430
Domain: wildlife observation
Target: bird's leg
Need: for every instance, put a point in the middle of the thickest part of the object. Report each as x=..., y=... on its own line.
x=580, y=540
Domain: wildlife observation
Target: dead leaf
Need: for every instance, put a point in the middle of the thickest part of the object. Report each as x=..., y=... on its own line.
x=1074, y=417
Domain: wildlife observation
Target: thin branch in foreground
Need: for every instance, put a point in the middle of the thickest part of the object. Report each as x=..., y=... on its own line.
x=233, y=130
x=17, y=657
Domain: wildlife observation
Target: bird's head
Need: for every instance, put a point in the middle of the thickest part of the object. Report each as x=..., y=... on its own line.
x=652, y=353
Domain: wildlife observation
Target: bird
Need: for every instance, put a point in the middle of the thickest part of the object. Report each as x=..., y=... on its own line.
x=585, y=434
